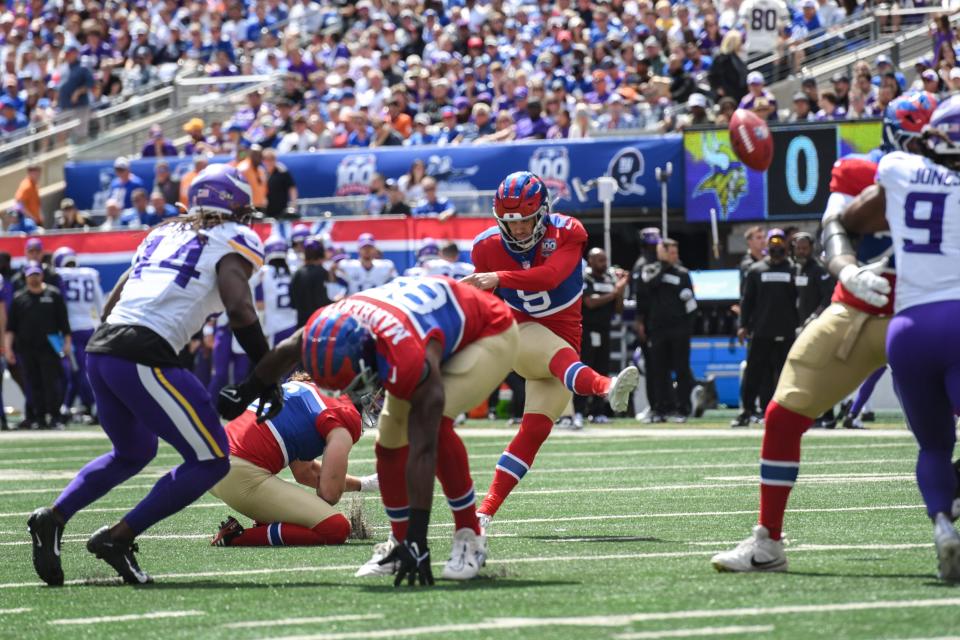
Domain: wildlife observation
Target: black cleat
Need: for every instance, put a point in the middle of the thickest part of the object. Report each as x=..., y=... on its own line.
x=868, y=416
x=229, y=529
x=742, y=420
x=46, y=531
x=118, y=555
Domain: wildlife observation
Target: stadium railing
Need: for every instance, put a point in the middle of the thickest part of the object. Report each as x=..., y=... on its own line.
x=171, y=108
x=464, y=202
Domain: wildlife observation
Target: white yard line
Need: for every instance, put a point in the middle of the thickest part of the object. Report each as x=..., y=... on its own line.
x=255, y=624
x=4, y=612
x=700, y=632
x=506, y=561
x=152, y=615
x=624, y=620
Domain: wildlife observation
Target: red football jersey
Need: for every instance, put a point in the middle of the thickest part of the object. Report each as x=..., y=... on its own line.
x=406, y=313
x=544, y=284
x=850, y=176
x=298, y=432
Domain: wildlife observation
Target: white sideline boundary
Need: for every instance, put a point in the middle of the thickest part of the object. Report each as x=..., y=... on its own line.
x=700, y=632
x=624, y=620
x=256, y=624
x=350, y=568
x=151, y=615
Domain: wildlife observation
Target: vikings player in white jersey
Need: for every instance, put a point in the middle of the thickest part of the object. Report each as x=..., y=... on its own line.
x=449, y=264
x=280, y=318
x=917, y=197
x=367, y=271
x=184, y=270
x=84, y=298
x=429, y=250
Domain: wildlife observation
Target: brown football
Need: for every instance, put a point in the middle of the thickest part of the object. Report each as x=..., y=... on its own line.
x=751, y=139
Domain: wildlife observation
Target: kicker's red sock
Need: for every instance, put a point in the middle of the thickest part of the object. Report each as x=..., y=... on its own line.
x=453, y=471
x=779, y=463
x=392, y=471
x=516, y=460
x=333, y=530
x=565, y=366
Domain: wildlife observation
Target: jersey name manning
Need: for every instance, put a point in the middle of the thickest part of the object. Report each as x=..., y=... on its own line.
x=84, y=297
x=172, y=287
x=279, y=312
x=359, y=278
x=924, y=217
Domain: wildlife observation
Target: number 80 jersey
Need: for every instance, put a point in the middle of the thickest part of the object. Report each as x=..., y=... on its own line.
x=172, y=286
x=923, y=211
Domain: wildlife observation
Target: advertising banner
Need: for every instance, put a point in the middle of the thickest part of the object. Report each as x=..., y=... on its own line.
x=566, y=166
x=796, y=185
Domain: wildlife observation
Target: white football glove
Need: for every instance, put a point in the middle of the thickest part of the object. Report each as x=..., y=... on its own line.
x=864, y=283
x=370, y=483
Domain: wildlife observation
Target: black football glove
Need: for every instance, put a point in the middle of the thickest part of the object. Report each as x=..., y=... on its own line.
x=414, y=561
x=234, y=399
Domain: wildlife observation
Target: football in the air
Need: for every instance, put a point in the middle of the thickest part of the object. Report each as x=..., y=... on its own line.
x=751, y=139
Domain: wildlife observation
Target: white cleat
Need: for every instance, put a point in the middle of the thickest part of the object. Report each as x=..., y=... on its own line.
x=621, y=387
x=947, y=541
x=466, y=557
x=373, y=567
x=485, y=522
x=756, y=553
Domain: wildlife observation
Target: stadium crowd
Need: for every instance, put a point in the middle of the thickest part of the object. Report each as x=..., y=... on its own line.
x=395, y=72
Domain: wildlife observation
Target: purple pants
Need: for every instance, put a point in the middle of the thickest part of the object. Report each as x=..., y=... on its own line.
x=923, y=347
x=280, y=336
x=137, y=405
x=78, y=385
x=223, y=360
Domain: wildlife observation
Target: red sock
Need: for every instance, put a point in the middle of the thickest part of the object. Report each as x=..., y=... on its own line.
x=516, y=460
x=453, y=471
x=565, y=365
x=779, y=463
x=333, y=530
x=392, y=471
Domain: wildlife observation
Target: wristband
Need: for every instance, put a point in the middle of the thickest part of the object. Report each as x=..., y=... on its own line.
x=417, y=526
x=253, y=341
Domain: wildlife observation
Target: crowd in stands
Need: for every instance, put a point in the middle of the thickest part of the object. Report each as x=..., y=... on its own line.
x=391, y=72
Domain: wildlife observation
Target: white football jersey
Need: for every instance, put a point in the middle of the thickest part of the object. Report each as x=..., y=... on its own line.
x=279, y=312
x=456, y=270
x=172, y=288
x=414, y=272
x=762, y=21
x=923, y=210
x=358, y=278
x=83, y=295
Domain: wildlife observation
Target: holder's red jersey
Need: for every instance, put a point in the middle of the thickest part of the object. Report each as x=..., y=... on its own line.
x=544, y=284
x=406, y=313
x=850, y=176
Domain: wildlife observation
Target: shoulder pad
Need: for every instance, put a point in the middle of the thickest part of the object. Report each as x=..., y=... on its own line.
x=852, y=174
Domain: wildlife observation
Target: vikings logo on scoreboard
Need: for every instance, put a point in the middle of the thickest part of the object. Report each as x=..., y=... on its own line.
x=355, y=173
x=552, y=164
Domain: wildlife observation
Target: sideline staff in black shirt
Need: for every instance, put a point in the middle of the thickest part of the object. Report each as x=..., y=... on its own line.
x=308, y=288
x=38, y=312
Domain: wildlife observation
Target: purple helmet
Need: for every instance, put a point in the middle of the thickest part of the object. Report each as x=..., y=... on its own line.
x=300, y=232
x=946, y=123
x=275, y=248
x=220, y=188
x=650, y=235
x=64, y=257
x=428, y=250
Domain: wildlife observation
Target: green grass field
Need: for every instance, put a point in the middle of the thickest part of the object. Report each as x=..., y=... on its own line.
x=609, y=535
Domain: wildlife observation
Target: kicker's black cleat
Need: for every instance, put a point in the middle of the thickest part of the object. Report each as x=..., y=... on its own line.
x=229, y=529
x=46, y=531
x=118, y=555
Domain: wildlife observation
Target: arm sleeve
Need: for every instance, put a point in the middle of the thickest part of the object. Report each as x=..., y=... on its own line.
x=97, y=293
x=63, y=321
x=345, y=417
x=748, y=300
x=13, y=318
x=546, y=276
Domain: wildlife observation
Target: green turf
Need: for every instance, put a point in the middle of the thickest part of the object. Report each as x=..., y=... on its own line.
x=603, y=527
